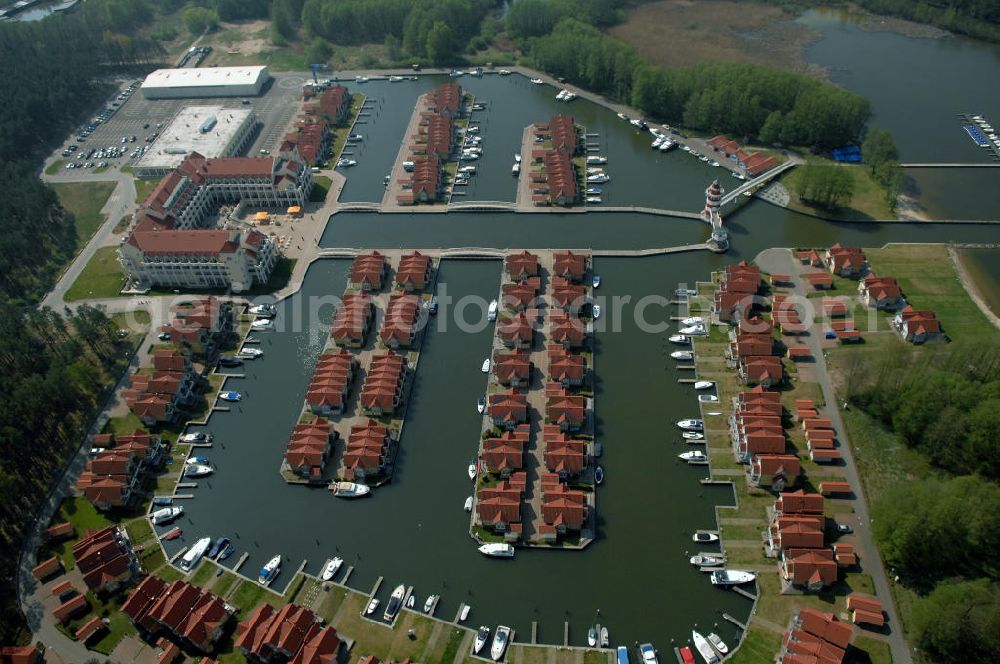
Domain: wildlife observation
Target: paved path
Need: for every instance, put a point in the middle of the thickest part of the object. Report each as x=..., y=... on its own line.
x=781, y=261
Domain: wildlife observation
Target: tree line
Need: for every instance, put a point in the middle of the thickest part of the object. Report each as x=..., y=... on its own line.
x=939, y=532
x=750, y=102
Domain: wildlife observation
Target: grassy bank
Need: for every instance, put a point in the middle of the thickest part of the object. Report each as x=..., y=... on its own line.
x=868, y=202
x=101, y=278
x=84, y=200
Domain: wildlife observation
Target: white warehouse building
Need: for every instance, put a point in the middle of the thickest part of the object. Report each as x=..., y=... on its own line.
x=205, y=82
x=211, y=131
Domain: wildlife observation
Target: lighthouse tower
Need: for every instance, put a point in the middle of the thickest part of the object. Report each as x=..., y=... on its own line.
x=713, y=204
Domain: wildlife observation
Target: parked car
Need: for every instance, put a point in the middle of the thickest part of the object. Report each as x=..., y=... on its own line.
x=844, y=529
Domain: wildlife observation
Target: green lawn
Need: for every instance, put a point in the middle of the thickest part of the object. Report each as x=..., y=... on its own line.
x=759, y=647
x=55, y=167
x=102, y=277
x=84, y=516
x=877, y=652
x=139, y=530
x=143, y=187
x=247, y=596
x=868, y=202
x=321, y=185
x=341, y=133
x=204, y=573
x=84, y=200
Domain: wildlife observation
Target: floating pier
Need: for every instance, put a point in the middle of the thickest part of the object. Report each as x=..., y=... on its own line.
x=744, y=593
x=736, y=622
x=347, y=575
x=239, y=563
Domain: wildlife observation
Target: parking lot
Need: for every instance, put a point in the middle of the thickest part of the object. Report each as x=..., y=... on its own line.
x=139, y=117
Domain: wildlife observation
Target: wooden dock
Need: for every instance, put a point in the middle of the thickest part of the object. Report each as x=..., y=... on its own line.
x=186, y=485
x=744, y=593
x=736, y=622
x=347, y=575
x=534, y=631
x=178, y=554
x=434, y=606
x=239, y=563
x=565, y=633
x=182, y=496
x=458, y=614
x=686, y=367
x=687, y=381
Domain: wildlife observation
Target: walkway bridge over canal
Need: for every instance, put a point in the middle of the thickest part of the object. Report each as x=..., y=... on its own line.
x=757, y=182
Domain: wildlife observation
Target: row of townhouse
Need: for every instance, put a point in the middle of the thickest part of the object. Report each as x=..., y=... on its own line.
x=200, y=326
x=353, y=320
x=382, y=393
x=736, y=296
x=161, y=394
x=179, y=611
x=433, y=144
x=115, y=475
x=554, y=180
x=754, y=163
x=314, y=126
x=292, y=634
x=106, y=559
x=367, y=452
x=752, y=349
x=331, y=382
x=309, y=449
x=820, y=435
x=499, y=507
x=171, y=242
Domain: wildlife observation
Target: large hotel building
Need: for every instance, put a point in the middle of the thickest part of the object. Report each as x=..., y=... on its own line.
x=174, y=243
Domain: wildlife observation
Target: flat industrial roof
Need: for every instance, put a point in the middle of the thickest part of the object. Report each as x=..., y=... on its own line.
x=184, y=135
x=189, y=77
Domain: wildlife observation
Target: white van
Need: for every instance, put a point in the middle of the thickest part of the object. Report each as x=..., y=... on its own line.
x=408, y=166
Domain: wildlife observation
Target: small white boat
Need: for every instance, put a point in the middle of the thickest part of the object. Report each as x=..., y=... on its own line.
x=705, y=536
x=410, y=602
x=682, y=355
x=693, y=320
x=472, y=469
x=658, y=142
x=270, y=571
x=330, y=568
x=360, y=79
x=596, y=160
x=648, y=653
x=685, y=292
x=599, y=475
x=251, y=352
x=517, y=157
x=497, y=550
x=469, y=156
x=693, y=456
x=486, y=366
x=594, y=190
x=692, y=435
x=464, y=613
x=598, y=178
x=429, y=603
x=263, y=310
x=195, y=437
x=704, y=384
x=515, y=169
x=694, y=330
x=731, y=577
x=680, y=339
x=704, y=648
x=481, y=405
x=597, y=311
x=190, y=559
x=504, y=72
x=691, y=425
x=396, y=79
x=708, y=398
x=707, y=560
x=198, y=470
x=395, y=603
x=482, y=636
x=230, y=396
x=596, y=281
x=714, y=163
x=536, y=81
x=467, y=169
x=593, y=170
x=561, y=95
x=595, y=200
x=718, y=643
x=667, y=146
x=196, y=459
x=166, y=515
x=372, y=606
x=592, y=637
x=346, y=163
x=262, y=325
x=491, y=313
x=468, y=504
x=499, y=643
x=350, y=489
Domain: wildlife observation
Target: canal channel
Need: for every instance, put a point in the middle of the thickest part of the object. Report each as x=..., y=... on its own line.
x=635, y=578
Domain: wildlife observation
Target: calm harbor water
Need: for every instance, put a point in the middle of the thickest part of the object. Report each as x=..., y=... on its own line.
x=414, y=530
x=983, y=265
x=916, y=89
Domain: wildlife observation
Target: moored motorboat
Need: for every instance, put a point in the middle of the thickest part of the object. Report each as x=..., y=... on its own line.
x=166, y=515
x=596, y=191
x=682, y=355
x=330, y=568
x=163, y=500
x=262, y=325
x=372, y=605
x=230, y=396
x=482, y=636
x=694, y=330
x=500, y=640
x=687, y=657
x=172, y=534
x=693, y=456
x=693, y=320
x=704, y=648
x=230, y=361
x=708, y=398
x=481, y=405
x=692, y=435
x=648, y=653
x=468, y=504
x=251, y=340
x=597, y=311
x=592, y=637
x=536, y=81
x=226, y=552
x=491, y=313
x=251, y=352
x=596, y=159
x=515, y=169
x=429, y=603
x=269, y=571
x=598, y=178
x=621, y=655
x=196, y=459
x=410, y=602
x=350, y=489
x=707, y=560
x=464, y=613
x=605, y=639
x=599, y=475
x=731, y=577
x=595, y=200
x=472, y=470
x=395, y=603
x=680, y=339
x=691, y=425
x=198, y=470
x=596, y=281
x=718, y=643
x=395, y=79
x=685, y=292
x=263, y=310
x=343, y=162
x=195, y=437
x=705, y=536
x=497, y=550
x=217, y=548
x=194, y=554
x=485, y=368
x=704, y=384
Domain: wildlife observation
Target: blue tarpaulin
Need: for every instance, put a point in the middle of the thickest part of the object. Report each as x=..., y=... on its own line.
x=851, y=153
